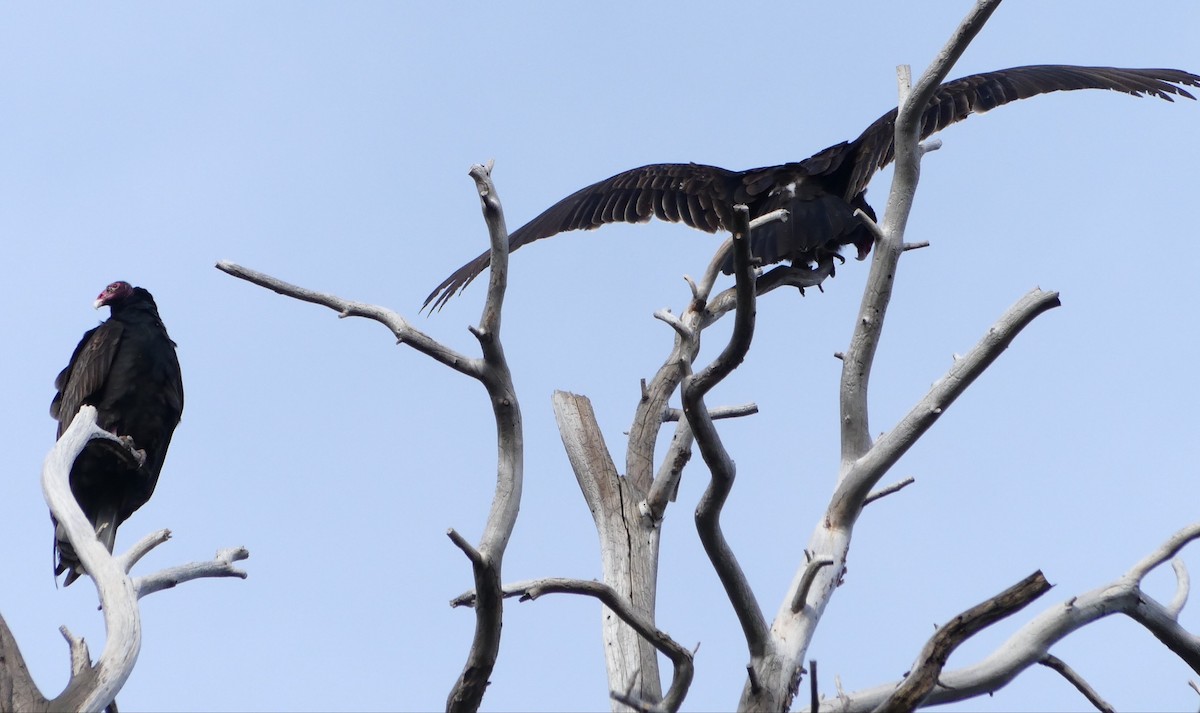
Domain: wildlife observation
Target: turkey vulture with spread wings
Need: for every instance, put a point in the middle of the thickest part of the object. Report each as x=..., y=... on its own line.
x=127, y=369
x=821, y=192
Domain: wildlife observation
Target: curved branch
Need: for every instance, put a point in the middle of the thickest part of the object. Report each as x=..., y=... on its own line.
x=1183, y=585
x=680, y=657
x=1053, y=662
x=493, y=372
x=924, y=675
x=141, y=548
x=679, y=452
x=404, y=332
x=708, y=511
x=643, y=434
x=118, y=598
x=1032, y=642
x=1166, y=551
x=718, y=260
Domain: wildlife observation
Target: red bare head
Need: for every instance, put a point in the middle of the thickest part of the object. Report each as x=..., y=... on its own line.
x=114, y=294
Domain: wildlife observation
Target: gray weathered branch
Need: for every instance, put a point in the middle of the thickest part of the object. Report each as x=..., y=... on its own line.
x=400, y=327
x=632, y=615
x=1053, y=662
x=1031, y=643
x=220, y=566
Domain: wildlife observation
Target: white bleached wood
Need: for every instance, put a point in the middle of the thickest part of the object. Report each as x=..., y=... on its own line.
x=93, y=687
x=1030, y=644
x=118, y=598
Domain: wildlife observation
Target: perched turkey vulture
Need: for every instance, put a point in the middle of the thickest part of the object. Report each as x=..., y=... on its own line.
x=127, y=369
x=821, y=192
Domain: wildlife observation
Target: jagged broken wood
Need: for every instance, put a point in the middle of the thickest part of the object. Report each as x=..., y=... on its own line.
x=628, y=546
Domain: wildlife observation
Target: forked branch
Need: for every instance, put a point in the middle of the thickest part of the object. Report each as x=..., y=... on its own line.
x=91, y=687
x=680, y=657
x=889, y=245
x=493, y=372
x=1032, y=642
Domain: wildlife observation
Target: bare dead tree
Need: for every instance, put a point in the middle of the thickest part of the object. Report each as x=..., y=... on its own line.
x=93, y=687
x=777, y=649
x=628, y=509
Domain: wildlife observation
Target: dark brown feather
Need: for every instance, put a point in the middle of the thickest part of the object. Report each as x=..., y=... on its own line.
x=821, y=192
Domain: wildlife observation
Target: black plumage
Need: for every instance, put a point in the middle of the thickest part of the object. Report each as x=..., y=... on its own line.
x=821, y=192
x=128, y=370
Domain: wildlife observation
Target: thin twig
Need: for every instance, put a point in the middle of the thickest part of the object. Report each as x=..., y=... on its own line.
x=141, y=548
x=810, y=573
x=1183, y=584
x=81, y=658
x=1051, y=661
x=404, y=332
x=884, y=492
x=674, y=414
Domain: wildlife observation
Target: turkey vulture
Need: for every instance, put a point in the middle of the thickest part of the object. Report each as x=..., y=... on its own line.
x=127, y=369
x=821, y=192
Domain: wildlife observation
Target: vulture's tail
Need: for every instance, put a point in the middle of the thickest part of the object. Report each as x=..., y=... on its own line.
x=106, y=531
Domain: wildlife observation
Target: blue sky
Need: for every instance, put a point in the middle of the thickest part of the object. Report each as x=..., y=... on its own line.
x=328, y=144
